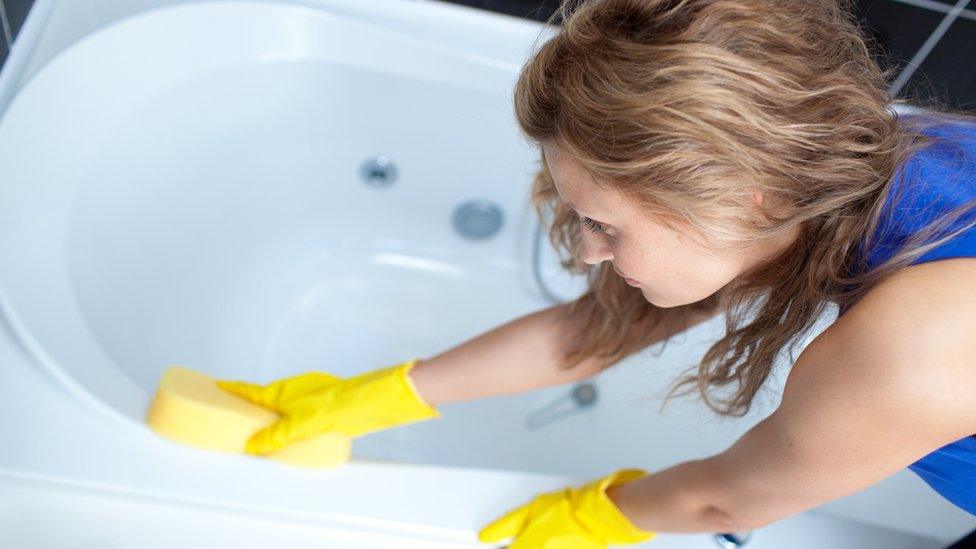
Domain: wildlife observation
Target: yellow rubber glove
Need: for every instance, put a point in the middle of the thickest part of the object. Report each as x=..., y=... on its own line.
x=315, y=402
x=570, y=518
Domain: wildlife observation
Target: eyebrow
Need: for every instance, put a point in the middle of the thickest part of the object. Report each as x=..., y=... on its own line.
x=575, y=208
x=570, y=204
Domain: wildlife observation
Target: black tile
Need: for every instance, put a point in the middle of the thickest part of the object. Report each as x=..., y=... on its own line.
x=968, y=540
x=895, y=30
x=539, y=10
x=948, y=74
x=17, y=13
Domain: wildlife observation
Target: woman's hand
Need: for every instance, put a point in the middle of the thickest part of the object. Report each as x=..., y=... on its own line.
x=570, y=518
x=315, y=402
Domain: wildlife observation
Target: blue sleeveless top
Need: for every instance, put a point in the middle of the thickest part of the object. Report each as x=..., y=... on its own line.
x=938, y=178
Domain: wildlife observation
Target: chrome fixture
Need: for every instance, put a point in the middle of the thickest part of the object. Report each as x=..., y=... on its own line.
x=378, y=171
x=581, y=397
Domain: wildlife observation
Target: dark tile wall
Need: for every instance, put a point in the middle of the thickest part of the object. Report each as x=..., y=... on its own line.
x=540, y=10
x=945, y=76
x=12, y=16
x=897, y=28
x=17, y=13
x=948, y=74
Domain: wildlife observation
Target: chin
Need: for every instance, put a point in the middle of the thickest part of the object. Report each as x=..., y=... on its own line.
x=656, y=300
x=662, y=304
x=668, y=302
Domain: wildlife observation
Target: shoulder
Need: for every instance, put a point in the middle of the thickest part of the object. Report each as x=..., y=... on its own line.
x=918, y=307
x=911, y=340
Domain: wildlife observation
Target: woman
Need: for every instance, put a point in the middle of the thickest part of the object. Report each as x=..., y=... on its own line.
x=737, y=157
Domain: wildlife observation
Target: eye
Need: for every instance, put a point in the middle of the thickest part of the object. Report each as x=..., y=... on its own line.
x=593, y=225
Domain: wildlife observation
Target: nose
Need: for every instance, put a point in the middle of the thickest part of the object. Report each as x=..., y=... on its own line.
x=594, y=249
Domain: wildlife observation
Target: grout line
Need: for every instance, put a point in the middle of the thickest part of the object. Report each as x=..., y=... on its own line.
x=938, y=6
x=6, y=25
x=926, y=48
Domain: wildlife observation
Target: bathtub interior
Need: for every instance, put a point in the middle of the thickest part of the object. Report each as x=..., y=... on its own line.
x=199, y=202
x=241, y=236
x=206, y=209
x=202, y=204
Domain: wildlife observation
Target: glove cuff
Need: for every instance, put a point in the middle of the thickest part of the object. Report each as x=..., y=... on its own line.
x=424, y=409
x=602, y=516
x=381, y=399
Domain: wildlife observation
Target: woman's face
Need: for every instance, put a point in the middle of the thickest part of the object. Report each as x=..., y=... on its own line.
x=671, y=269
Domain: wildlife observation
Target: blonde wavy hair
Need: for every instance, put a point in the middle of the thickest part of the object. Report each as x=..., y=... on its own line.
x=686, y=107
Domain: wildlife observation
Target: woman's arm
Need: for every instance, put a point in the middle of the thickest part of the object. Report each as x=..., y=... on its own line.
x=890, y=381
x=518, y=356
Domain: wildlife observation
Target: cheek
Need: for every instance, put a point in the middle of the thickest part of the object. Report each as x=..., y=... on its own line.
x=678, y=274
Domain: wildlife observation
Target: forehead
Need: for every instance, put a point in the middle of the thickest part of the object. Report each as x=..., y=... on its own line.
x=576, y=187
x=561, y=166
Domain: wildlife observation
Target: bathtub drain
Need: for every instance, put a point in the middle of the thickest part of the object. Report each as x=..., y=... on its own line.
x=478, y=219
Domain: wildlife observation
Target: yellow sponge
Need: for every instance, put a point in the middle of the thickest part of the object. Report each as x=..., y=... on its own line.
x=190, y=408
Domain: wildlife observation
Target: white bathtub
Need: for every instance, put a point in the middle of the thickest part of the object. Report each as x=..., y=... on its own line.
x=183, y=187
